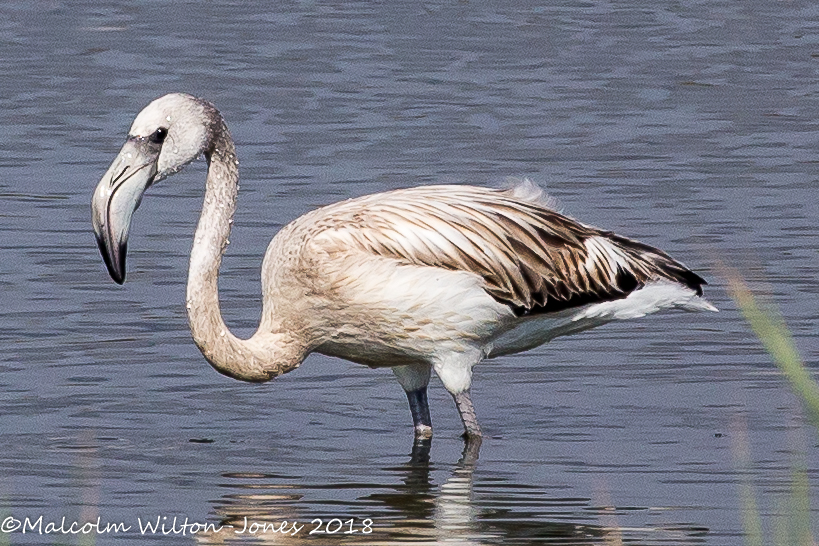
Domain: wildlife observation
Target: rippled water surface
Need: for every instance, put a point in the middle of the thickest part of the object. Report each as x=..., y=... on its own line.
x=692, y=126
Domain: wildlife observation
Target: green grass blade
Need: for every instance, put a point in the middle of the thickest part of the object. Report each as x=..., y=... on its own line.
x=770, y=328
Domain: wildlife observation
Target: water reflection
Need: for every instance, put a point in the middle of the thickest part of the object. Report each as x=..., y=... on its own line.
x=411, y=508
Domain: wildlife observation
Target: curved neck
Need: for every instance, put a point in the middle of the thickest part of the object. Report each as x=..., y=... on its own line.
x=266, y=354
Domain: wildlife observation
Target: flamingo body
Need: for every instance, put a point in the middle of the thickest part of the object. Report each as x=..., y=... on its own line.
x=421, y=279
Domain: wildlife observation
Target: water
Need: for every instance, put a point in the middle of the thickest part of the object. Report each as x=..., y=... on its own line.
x=691, y=126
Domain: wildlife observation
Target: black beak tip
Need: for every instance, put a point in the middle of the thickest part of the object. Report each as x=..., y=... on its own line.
x=115, y=262
x=118, y=278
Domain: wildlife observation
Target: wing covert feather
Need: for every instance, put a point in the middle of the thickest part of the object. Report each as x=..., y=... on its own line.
x=530, y=257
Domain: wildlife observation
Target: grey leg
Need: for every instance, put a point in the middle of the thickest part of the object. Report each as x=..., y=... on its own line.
x=467, y=411
x=419, y=406
x=414, y=380
x=469, y=456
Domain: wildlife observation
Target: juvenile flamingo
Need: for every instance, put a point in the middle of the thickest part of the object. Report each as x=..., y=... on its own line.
x=421, y=279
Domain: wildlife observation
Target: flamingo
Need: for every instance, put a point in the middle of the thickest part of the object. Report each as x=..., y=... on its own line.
x=420, y=279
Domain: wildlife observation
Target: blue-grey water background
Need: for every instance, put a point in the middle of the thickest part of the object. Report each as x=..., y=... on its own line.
x=692, y=126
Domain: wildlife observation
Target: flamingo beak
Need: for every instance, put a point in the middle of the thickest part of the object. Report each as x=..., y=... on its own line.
x=117, y=197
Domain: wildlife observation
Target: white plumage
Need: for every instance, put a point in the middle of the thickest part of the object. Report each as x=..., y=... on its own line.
x=430, y=278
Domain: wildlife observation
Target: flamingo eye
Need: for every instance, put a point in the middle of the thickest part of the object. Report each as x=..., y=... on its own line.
x=158, y=136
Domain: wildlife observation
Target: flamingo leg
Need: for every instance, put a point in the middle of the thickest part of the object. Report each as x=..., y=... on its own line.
x=414, y=380
x=419, y=406
x=470, y=420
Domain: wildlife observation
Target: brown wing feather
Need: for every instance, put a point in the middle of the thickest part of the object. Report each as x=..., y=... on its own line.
x=530, y=257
